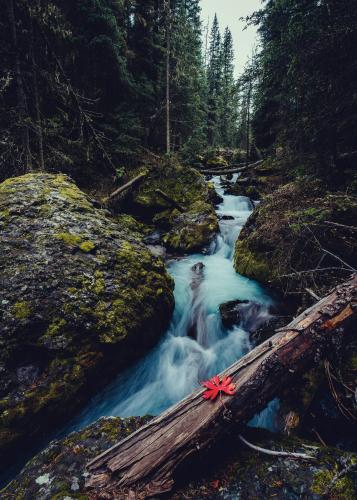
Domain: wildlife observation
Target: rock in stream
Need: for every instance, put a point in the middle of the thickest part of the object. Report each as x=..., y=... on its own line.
x=81, y=296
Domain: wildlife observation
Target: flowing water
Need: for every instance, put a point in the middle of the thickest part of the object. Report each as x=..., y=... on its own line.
x=196, y=345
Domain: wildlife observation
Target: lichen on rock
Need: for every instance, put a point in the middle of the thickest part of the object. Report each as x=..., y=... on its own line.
x=74, y=281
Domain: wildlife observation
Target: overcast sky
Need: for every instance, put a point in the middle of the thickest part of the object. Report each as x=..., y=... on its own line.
x=229, y=12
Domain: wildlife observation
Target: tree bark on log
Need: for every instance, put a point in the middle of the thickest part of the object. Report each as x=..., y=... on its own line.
x=124, y=188
x=143, y=465
x=234, y=170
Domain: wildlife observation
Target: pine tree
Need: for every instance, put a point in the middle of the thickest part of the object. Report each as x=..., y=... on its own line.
x=214, y=80
x=228, y=100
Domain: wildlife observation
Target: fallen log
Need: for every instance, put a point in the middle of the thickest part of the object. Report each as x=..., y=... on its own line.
x=143, y=465
x=234, y=170
x=170, y=200
x=125, y=187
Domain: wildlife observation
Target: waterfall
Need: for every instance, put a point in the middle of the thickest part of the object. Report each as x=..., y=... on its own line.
x=196, y=345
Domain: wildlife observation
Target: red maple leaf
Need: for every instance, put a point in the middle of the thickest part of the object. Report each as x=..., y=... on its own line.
x=215, y=386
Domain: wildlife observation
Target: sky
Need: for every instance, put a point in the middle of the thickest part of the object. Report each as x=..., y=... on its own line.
x=229, y=13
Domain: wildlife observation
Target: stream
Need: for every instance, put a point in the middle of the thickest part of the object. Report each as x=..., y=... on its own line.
x=196, y=345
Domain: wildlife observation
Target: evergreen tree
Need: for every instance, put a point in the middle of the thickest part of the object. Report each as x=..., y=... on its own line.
x=228, y=101
x=214, y=80
x=188, y=78
x=306, y=95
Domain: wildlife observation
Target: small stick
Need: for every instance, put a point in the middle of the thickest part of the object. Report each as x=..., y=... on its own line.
x=300, y=456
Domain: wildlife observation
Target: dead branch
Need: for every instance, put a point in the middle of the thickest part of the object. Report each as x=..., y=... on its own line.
x=125, y=187
x=300, y=456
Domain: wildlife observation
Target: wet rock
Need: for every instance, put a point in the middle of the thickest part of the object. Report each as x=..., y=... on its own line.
x=81, y=296
x=230, y=312
x=213, y=196
x=248, y=314
x=193, y=229
x=226, y=217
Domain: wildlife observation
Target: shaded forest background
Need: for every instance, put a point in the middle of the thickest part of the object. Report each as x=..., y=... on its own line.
x=83, y=86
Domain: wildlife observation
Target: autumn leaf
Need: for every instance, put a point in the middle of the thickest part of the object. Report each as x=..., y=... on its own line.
x=216, y=386
x=215, y=484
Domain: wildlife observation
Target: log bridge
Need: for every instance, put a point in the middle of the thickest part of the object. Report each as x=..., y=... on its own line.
x=144, y=464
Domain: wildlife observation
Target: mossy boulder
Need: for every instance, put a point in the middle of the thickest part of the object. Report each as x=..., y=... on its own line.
x=288, y=232
x=80, y=296
x=193, y=229
x=230, y=470
x=185, y=231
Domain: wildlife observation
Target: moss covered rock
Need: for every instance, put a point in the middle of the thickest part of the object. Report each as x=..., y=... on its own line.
x=287, y=234
x=80, y=295
x=185, y=231
x=229, y=471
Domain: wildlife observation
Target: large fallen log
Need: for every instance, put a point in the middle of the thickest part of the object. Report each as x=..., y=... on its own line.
x=144, y=464
x=228, y=171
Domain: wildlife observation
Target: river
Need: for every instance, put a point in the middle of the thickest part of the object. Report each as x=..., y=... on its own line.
x=196, y=345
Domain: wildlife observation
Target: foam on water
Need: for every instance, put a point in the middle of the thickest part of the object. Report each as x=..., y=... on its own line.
x=196, y=346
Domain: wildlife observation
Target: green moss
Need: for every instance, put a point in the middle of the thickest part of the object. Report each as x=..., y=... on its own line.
x=251, y=264
x=217, y=161
x=87, y=246
x=69, y=239
x=99, y=283
x=343, y=488
x=56, y=327
x=4, y=216
x=21, y=310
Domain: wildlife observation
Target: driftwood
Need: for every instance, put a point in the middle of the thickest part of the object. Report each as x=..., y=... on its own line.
x=125, y=187
x=144, y=464
x=170, y=200
x=228, y=171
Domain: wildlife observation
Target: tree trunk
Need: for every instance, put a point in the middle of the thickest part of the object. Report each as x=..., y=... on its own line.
x=21, y=96
x=168, y=76
x=36, y=94
x=144, y=464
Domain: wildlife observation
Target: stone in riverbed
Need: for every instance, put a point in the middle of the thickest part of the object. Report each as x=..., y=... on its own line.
x=81, y=296
x=248, y=314
x=186, y=231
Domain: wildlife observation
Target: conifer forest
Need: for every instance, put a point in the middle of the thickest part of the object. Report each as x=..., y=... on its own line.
x=178, y=249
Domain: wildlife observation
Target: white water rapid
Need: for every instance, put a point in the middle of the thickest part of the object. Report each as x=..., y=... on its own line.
x=196, y=345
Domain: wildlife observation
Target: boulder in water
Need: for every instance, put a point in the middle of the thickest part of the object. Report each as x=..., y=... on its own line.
x=185, y=231
x=81, y=296
x=248, y=314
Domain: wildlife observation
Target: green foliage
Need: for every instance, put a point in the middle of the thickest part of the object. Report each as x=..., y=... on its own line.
x=306, y=96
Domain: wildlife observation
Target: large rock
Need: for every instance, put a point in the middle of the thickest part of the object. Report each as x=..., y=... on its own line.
x=185, y=231
x=230, y=472
x=287, y=234
x=80, y=298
